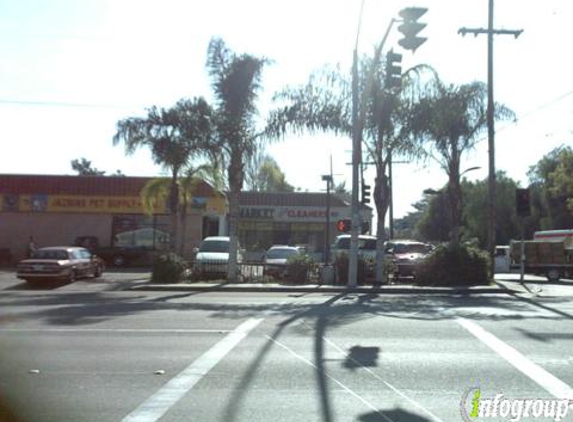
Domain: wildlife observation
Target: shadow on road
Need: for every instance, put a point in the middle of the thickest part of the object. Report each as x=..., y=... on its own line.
x=315, y=319
x=544, y=336
x=44, y=285
x=76, y=308
x=395, y=415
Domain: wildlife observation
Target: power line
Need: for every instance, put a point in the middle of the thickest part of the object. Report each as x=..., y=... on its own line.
x=535, y=110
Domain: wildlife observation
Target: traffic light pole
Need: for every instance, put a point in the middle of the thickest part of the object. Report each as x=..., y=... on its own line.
x=356, y=159
x=490, y=31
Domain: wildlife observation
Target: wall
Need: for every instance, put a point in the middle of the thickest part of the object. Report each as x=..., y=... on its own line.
x=50, y=229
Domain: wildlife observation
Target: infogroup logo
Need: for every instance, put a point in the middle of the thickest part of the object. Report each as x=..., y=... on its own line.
x=474, y=407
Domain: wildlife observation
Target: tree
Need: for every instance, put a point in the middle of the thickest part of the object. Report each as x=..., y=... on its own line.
x=475, y=210
x=340, y=189
x=433, y=227
x=324, y=105
x=552, y=182
x=236, y=82
x=174, y=136
x=84, y=167
x=157, y=191
x=447, y=120
x=265, y=175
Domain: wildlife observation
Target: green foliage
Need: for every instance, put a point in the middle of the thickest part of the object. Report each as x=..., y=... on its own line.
x=552, y=184
x=236, y=83
x=432, y=226
x=299, y=268
x=475, y=210
x=84, y=167
x=447, y=122
x=341, y=267
x=168, y=268
x=264, y=175
x=460, y=265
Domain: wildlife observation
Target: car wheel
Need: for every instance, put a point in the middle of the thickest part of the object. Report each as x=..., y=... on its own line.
x=553, y=275
x=119, y=261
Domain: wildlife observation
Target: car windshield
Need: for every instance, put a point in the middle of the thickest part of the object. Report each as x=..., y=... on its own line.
x=50, y=254
x=281, y=253
x=410, y=248
x=214, y=246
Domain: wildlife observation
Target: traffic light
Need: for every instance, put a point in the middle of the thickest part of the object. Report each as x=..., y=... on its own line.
x=522, y=202
x=365, y=193
x=410, y=27
x=344, y=225
x=365, y=227
x=393, y=70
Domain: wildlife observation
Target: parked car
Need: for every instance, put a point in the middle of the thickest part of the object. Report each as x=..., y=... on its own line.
x=276, y=258
x=212, y=257
x=407, y=255
x=60, y=263
x=118, y=256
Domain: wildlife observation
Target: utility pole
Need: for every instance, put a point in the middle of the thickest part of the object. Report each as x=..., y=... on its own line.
x=391, y=208
x=328, y=179
x=490, y=31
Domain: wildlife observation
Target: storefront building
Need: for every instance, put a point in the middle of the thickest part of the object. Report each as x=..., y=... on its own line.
x=56, y=210
x=298, y=218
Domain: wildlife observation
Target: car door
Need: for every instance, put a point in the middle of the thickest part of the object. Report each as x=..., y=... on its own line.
x=81, y=262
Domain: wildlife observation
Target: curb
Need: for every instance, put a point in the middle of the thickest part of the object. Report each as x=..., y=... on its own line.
x=253, y=288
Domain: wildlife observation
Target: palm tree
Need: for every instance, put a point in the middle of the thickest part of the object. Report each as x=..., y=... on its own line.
x=174, y=136
x=157, y=191
x=236, y=84
x=324, y=105
x=447, y=121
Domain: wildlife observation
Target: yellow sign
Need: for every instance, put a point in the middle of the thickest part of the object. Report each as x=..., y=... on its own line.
x=96, y=204
x=69, y=203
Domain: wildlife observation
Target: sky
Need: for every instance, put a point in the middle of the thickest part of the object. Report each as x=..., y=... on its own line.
x=71, y=69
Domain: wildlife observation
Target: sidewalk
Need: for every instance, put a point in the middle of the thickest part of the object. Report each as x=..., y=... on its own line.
x=317, y=288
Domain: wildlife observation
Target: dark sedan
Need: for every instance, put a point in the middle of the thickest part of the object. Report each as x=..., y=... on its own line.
x=60, y=263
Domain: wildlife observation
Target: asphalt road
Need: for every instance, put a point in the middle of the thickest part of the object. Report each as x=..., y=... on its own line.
x=92, y=352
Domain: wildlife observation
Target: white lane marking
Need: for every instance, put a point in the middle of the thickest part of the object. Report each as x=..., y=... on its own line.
x=112, y=330
x=390, y=386
x=159, y=403
x=344, y=387
x=549, y=382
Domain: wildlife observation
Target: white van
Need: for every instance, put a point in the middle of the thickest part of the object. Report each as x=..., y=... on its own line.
x=213, y=255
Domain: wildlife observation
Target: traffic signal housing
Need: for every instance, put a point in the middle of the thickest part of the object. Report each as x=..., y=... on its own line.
x=344, y=225
x=522, y=202
x=411, y=27
x=393, y=70
x=365, y=194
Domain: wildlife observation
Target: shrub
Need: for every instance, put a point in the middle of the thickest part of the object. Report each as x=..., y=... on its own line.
x=341, y=267
x=448, y=265
x=168, y=268
x=299, y=267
